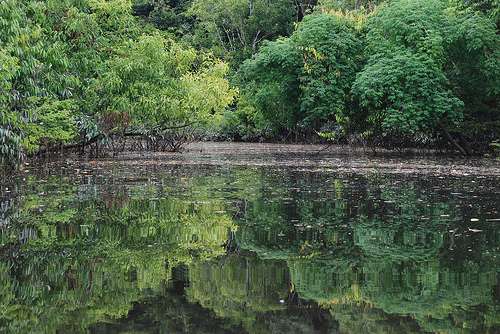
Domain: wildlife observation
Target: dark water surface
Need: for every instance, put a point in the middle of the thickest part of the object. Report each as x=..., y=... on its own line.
x=271, y=241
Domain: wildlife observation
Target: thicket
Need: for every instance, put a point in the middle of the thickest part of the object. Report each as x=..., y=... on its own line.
x=87, y=74
x=404, y=73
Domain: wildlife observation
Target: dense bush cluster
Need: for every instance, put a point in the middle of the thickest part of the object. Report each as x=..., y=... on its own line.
x=405, y=69
x=85, y=73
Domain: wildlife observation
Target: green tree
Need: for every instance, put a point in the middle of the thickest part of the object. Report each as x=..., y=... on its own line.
x=54, y=126
x=31, y=66
x=57, y=48
x=491, y=8
x=12, y=139
x=236, y=27
x=83, y=69
x=306, y=79
x=406, y=92
x=430, y=69
x=271, y=79
x=332, y=55
x=160, y=88
x=168, y=15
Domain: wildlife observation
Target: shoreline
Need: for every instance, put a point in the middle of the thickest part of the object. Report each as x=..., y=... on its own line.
x=334, y=159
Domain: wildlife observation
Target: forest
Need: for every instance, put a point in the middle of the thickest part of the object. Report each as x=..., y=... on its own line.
x=97, y=76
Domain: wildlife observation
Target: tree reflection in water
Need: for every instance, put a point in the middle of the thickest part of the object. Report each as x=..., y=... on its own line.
x=247, y=249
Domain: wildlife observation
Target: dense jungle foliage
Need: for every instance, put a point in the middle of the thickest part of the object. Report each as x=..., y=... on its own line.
x=88, y=74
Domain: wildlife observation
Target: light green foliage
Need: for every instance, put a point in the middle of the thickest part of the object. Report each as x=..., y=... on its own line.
x=92, y=52
x=463, y=45
x=54, y=124
x=162, y=85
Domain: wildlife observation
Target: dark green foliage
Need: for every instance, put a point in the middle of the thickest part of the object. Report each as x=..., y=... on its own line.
x=332, y=56
x=34, y=63
x=272, y=79
x=429, y=65
x=168, y=15
x=408, y=71
x=234, y=29
x=12, y=138
x=491, y=8
x=306, y=79
x=407, y=92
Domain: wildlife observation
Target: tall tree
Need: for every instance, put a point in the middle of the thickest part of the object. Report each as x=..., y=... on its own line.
x=33, y=65
x=306, y=79
x=431, y=68
x=80, y=68
x=236, y=27
x=160, y=87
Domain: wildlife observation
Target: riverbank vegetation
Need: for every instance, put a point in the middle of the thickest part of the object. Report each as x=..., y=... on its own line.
x=90, y=75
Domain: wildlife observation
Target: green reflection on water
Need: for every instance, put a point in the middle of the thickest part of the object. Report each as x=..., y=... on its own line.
x=246, y=249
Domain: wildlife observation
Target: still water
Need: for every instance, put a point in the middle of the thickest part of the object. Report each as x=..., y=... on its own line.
x=213, y=247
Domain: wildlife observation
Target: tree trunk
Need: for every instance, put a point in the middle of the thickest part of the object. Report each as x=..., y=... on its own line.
x=465, y=144
x=452, y=141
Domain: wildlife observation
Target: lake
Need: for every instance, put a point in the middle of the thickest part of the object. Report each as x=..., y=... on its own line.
x=252, y=238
